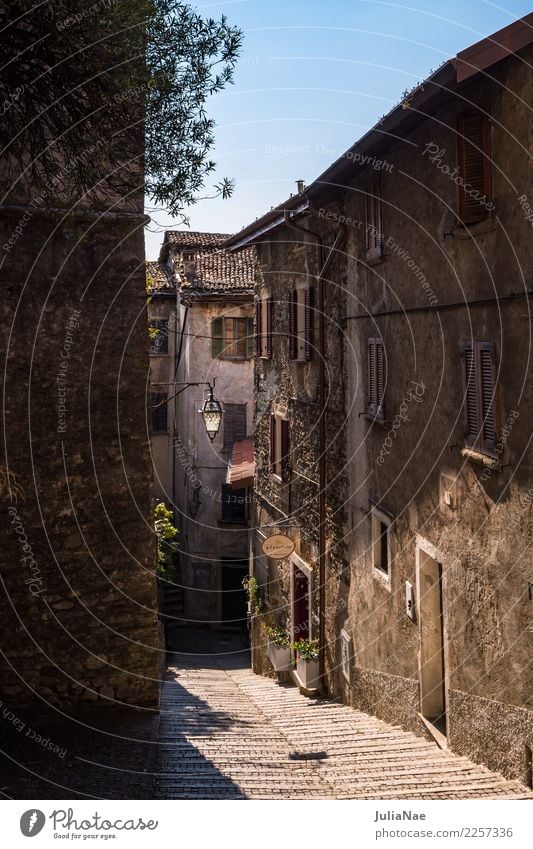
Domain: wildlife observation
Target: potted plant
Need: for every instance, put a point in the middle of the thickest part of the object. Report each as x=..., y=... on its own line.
x=307, y=670
x=279, y=648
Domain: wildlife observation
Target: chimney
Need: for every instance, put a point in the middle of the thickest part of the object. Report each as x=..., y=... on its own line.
x=301, y=186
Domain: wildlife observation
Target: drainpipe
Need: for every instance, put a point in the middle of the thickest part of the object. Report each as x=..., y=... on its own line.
x=323, y=265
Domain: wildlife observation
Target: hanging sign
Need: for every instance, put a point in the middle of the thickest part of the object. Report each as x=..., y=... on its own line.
x=278, y=546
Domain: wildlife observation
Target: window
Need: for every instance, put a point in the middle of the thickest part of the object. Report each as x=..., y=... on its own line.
x=279, y=447
x=376, y=378
x=474, y=194
x=188, y=256
x=479, y=387
x=233, y=504
x=301, y=315
x=234, y=420
x=232, y=338
x=381, y=558
x=159, y=412
x=374, y=222
x=159, y=344
x=263, y=327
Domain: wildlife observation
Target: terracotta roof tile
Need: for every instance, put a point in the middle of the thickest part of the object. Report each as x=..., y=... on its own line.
x=157, y=277
x=211, y=269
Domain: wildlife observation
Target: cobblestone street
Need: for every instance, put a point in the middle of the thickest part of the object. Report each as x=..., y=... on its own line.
x=226, y=733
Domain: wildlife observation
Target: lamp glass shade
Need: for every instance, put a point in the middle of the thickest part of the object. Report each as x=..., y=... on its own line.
x=212, y=416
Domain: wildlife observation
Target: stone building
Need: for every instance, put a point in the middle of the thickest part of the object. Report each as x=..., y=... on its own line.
x=420, y=588
x=205, y=318
x=78, y=602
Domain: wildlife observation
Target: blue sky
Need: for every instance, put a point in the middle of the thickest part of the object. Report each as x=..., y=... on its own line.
x=314, y=76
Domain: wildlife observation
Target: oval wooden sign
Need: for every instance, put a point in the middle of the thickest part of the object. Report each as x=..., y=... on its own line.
x=278, y=546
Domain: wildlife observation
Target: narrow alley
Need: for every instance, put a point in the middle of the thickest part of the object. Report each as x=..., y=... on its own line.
x=226, y=733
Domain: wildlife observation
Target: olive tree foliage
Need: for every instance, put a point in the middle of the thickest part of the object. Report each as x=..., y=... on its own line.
x=80, y=83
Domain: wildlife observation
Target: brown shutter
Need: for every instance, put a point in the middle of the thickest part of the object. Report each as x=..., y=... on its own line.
x=487, y=382
x=272, y=443
x=309, y=321
x=371, y=375
x=269, y=309
x=258, y=328
x=470, y=391
x=293, y=319
x=284, y=449
x=376, y=377
x=249, y=338
x=374, y=223
x=474, y=162
x=380, y=377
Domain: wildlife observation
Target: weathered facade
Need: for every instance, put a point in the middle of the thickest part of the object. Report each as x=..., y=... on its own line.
x=426, y=601
x=79, y=602
x=210, y=341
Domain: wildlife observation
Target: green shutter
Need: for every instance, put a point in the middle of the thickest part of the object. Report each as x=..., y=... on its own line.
x=217, y=337
x=249, y=338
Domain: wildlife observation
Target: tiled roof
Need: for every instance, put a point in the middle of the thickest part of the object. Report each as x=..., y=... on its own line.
x=194, y=239
x=157, y=277
x=213, y=269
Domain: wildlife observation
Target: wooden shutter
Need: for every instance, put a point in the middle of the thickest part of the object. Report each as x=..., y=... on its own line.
x=473, y=159
x=249, y=338
x=217, y=337
x=259, y=328
x=234, y=423
x=479, y=386
x=376, y=377
x=487, y=380
x=284, y=449
x=374, y=224
x=269, y=309
x=272, y=443
x=309, y=321
x=293, y=323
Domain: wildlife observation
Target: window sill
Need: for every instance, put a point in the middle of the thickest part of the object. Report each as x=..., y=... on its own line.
x=374, y=258
x=160, y=432
x=480, y=459
x=222, y=523
x=382, y=577
x=478, y=228
x=374, y=420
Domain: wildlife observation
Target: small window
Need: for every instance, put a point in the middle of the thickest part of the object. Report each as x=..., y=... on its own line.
x=233, y=504
x=374, y=222
x=159, y=342
x=232, y=338
x=279, y=447
x=188, y=256
x=234, y=423
x=159, y=412
x=479, y=387
x=376, y=378
x=474, y=188
x=263, y=325
x=301, y=324
x=381, y=558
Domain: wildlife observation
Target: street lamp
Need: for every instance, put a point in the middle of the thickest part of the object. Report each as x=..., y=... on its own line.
x=211, y=413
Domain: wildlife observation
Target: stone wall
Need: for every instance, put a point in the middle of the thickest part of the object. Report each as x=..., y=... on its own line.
x=78, y=602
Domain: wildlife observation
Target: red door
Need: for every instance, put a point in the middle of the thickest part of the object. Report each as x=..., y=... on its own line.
x=300, y=605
